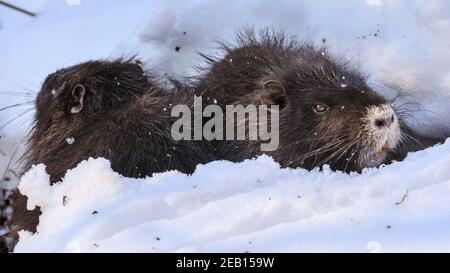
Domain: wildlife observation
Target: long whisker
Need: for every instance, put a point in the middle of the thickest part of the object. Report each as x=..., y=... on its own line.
x=16, y=105
x=411, y=138
x=18, y=94
x=32, y=91
x=8, y=166
x=318, y=151
x=353, y=153
x=341, y=150
x=15, y=118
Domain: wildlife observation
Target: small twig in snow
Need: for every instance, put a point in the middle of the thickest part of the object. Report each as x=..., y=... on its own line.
x=16, y=8
x=403, y=199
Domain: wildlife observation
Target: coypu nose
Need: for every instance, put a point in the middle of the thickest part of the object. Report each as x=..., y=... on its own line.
x=381, y=117
x=384, y=122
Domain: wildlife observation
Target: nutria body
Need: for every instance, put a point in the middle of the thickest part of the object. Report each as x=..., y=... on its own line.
x=327, y=112
x=105, y=109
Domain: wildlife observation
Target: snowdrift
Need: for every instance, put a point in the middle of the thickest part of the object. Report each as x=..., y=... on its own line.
x=254, y=206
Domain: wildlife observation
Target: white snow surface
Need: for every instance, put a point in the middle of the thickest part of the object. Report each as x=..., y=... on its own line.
x=252, y=206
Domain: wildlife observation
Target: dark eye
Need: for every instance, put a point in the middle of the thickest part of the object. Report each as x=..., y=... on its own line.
x=320, y=108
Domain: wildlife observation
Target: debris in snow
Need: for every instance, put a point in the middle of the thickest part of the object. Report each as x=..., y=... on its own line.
x=403, y=199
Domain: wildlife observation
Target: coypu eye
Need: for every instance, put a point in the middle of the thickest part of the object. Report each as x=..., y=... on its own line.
x=320, y=108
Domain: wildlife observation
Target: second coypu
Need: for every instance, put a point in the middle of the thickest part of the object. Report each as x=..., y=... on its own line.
x=327, y=112
x=109, y=109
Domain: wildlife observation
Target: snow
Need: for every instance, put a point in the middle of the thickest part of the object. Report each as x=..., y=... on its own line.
x=403, y=46
x=70, y=140
x=254, y=206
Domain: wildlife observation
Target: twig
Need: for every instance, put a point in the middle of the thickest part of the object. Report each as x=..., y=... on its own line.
x=403, y=198
x=16, y=8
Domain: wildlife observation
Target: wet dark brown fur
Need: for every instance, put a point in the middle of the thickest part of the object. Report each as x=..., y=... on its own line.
x=124, y=117
x=303, y=76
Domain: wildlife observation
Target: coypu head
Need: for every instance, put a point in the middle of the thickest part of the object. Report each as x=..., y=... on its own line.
x=329, y=115
x=75, y=103
x=90, y=87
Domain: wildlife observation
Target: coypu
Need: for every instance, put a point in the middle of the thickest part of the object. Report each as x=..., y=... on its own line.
x=327, y=112
x=108, y=109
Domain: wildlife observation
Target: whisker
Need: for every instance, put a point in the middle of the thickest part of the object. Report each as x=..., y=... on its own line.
x=16, y=105
x=18, y=94
x=8, y=166
x=32, y=91
x=318, y=151
x=15, y=118
x=353, y=152
x=410, y=137
x=340, y=151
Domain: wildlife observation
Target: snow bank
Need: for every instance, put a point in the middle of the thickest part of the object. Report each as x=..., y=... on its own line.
x=254, y=206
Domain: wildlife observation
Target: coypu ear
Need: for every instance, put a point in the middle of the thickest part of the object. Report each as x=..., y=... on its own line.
x=78, y=93
x=273, y=93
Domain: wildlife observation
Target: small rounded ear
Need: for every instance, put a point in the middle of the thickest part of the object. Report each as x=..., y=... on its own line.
x=273, y=93
x=78, y=93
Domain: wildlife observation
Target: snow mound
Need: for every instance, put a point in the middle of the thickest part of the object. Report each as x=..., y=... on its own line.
x=253, y=206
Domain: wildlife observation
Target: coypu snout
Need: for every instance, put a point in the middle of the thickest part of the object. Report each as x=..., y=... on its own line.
x=383, y=134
